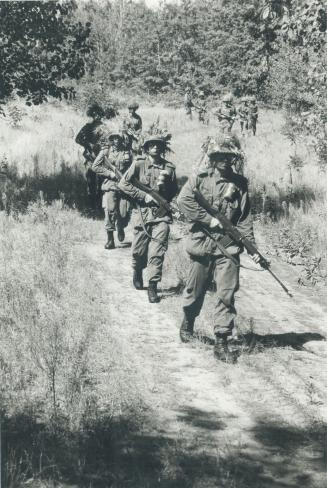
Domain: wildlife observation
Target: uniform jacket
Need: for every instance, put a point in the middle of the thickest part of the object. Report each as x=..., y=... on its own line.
x=243, y=112
x=108, y=158
x=144, y=170
x=134, y=122
x=213, y=187
x=90, y=137
x=226, y=113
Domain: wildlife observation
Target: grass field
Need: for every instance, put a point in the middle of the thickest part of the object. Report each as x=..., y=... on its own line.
x=60, y=364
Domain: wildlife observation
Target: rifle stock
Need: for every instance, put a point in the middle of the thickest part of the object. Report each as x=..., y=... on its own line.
x=237, y=236
x=164, y=207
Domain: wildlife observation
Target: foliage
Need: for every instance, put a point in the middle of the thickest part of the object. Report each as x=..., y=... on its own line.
x=41, y=46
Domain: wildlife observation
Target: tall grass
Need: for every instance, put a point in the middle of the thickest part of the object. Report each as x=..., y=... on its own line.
x=56, y=346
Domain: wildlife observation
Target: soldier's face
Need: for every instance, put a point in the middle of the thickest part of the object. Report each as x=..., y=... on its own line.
x=115, y=141
x=154, y=149
x=131, y=111
x=222, y=162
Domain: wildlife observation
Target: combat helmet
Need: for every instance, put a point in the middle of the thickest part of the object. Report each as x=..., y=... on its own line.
x=227, y=98
x=157, y=134
x=225, y=144
x=95, y=109
x=133, y=105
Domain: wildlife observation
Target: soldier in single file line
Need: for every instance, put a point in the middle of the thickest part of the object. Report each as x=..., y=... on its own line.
x=150, y=240
x=212, y=253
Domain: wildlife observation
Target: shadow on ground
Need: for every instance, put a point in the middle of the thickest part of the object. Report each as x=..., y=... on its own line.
x=115, y=452
x=251, y=342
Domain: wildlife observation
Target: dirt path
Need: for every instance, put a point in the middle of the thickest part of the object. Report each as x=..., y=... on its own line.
x=261, y=422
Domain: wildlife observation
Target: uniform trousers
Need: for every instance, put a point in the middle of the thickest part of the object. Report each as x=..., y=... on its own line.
x=150, y=252
x=226, y=275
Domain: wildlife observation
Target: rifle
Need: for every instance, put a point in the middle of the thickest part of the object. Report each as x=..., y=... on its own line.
x=164, y=207
x=236, y=236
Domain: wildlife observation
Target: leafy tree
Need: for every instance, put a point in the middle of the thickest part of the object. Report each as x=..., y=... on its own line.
x=41, y=46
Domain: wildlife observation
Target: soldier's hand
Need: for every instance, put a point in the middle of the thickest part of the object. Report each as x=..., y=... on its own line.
x=113, y=176
x=256, y=258
x=148, y=199
x=215, y=223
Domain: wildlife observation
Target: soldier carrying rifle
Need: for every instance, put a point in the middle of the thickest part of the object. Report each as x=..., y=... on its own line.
x=112, y=161
x=226, y=113
x=212, y=252
x=148, y=176
x=133, y=127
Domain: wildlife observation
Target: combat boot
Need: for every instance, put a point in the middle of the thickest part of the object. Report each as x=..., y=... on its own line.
x=152, y=292
x=221, y=350
x=121, y=234
x=138, y=278
x=187, y=327
x=110, y=244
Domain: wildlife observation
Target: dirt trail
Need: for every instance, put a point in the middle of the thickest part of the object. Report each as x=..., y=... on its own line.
x=261, y=422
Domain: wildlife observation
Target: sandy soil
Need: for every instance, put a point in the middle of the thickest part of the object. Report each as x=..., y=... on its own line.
x=261, y=422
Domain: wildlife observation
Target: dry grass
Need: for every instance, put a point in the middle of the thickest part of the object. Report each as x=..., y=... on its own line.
x=61, y=368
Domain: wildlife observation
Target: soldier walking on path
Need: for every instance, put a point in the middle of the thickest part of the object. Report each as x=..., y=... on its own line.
x=133, y=127
x=188, y=102
x=89, y=137
x=202, y=109
x=253, y=114
x=213, y=254
x=112, y=161
x=226, y=113
x=243, y=114
x=150, y=241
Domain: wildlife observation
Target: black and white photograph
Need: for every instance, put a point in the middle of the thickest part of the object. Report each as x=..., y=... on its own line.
x=163, y=244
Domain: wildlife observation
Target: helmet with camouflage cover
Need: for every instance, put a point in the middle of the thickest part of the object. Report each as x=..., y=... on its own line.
x=133, y=105
x=225, y=144
x=228, y=98
x=95, y=110
x=157, y=134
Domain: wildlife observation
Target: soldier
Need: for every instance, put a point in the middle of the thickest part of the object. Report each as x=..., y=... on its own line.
x=253, y=114
x=151, y=232
x=202, y=108
x=243, y=113
x=228, y=192
x=188, y=103
x=133, y=127
x=89, y=137
x=226, y=113
x=111, y=162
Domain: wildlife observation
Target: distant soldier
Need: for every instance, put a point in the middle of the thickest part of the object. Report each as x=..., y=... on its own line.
x=253, y=114
x=212, y=253
x=188, y=102
x=133, y=127
x=243, y=114
x=202, y=108
x=4, y=182
x=151, y=231
x=112, y=161
x=89, y=137
x=226, y=113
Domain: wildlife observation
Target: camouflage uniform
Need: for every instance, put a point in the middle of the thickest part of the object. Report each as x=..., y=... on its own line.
x=116, y=208
x=4, y=181
x=207, y=261
x=226, y=115
x=90, y=137
x=133, y=128
x=243, y=114
x=188, y=104
x=149, y=252
x=253, y=115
